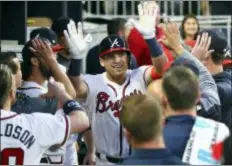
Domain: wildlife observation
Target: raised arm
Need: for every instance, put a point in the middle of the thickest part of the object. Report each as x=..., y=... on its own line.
x=78, y=118
x=43, y=50
x=78, y=46
x=209, y=101
x=146, y=26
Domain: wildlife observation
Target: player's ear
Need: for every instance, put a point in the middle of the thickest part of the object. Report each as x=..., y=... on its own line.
x=101, y=62
x=164, y=101
x=12, y=93
x=34, y=61
x=198, y=96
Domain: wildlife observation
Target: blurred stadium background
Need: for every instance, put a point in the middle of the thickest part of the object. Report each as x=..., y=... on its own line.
x=18, y=18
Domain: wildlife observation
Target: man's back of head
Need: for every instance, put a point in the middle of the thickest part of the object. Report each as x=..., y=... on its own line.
x=141, y=116
x=181, y=88
x=5, y=84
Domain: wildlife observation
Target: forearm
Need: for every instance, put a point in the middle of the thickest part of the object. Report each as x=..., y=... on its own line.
x=208, y=88
x=74, y=73
x=159, y=58
x=88, y=137
x=60, y=76
x=63, y=97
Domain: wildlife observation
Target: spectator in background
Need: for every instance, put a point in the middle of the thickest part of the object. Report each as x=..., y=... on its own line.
x=139, y=47
x=115, y=26
x=190, y=28
x=10, y=59
x=145, y=134
x=214, y=63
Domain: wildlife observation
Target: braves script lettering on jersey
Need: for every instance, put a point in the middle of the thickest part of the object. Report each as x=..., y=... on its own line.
x=103, y=104
x=25, y=137
x=32, y=89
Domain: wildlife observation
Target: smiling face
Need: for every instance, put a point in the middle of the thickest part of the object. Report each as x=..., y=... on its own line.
x=190, y=27
x=115, y=63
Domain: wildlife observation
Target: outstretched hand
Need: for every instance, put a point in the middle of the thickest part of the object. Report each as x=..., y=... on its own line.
x=201, y=49
x=171, y=38
x=147, y=19
x=78, y=45
x=43, y=49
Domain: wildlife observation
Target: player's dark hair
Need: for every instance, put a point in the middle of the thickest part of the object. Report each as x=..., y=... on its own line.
x=141, y=116
x=181, y=87
x=5, y=83
x=115, y=25
x=217, y=58
x=189, y=16
x=7, y=58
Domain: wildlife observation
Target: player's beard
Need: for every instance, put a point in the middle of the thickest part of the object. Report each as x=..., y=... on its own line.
x=45, y=71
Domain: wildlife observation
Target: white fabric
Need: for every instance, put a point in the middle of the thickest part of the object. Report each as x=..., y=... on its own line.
x=105, y=126
x=39, y=132
x=70, y=157
x=204, y=134
x=32, y=89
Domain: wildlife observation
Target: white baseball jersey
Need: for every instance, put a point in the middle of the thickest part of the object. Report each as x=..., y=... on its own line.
x=103, y=104
x=25, y=137
x=32, y=89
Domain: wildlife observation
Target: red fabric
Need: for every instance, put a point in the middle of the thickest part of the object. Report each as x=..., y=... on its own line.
x=155, y=75
x=190, y=43
x=227, y=62
x=217, y=151
x=140, y=50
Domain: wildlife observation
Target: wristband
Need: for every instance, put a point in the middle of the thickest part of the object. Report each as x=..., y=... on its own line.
x=71, y=106
x=75, y=67
x=154, y=47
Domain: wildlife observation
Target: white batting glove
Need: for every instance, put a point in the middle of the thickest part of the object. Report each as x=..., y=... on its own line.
x=78, y=45
x=147, y=19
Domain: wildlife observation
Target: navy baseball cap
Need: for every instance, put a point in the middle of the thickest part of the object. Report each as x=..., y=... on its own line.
x=219, y=44
x=47, y=34
x=44, y=33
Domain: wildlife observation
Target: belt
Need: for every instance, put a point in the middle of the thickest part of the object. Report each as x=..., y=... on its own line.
x=44, y=160
x=110, y=159
x=48, y=160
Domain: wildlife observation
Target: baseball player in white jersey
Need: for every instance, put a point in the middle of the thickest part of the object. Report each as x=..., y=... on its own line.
x=25, y=137
x=104, y=93
x=67, y=153
x=36, y=85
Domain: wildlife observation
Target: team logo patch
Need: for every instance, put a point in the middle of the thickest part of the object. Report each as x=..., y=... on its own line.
x=114, y=43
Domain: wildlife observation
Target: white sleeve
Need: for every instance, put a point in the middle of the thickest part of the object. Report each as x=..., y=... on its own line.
x=51, y=129
x=139, y=75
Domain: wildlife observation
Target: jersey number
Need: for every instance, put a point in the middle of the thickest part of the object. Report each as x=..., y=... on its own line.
x=16, y=153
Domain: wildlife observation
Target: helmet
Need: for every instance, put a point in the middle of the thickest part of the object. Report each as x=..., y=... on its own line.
x=113, y=43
